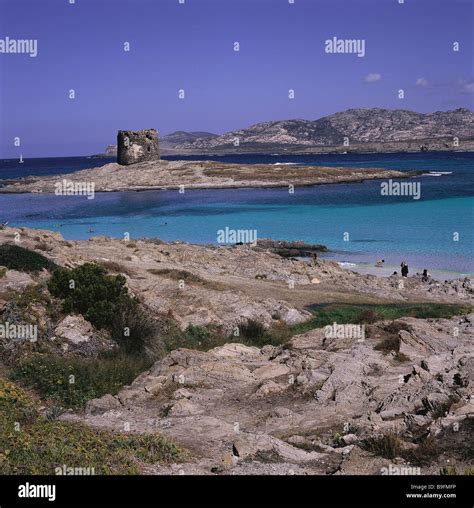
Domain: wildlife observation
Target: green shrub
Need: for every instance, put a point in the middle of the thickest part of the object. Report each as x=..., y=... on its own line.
x=205, y=337
x=18, y=258
x=71, y=382
x=197, y=333
x=201, y=338
x=88, y=290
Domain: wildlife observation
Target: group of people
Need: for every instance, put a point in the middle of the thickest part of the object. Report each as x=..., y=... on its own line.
x=404, y=270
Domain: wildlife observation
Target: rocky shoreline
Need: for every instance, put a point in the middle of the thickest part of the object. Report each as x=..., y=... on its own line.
x=315, y=403
x=164, y=174
x=225, y=283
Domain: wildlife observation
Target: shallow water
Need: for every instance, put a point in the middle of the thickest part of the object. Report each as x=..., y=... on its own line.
x=354, y=221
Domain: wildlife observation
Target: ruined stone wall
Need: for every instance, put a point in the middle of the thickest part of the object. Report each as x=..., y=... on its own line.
x=137, y=146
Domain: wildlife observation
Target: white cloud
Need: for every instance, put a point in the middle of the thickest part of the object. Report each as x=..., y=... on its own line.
x=373, y=77
x=465, y=86
x=421, y=82
x=468, y=87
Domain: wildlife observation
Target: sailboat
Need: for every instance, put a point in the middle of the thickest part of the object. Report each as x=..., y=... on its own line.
x=21, y=159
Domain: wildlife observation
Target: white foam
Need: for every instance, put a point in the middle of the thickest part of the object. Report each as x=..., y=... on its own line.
x=438, y=173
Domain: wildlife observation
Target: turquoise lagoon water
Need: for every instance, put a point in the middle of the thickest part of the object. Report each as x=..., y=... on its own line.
x=422, y=232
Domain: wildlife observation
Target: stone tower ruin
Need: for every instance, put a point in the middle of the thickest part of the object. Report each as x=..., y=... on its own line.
x=137, y=146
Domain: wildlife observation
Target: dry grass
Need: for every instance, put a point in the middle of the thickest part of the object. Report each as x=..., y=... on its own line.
x=388, y=344
x=113, y=266
x=269, y=173
x=387, y=446
x=187, y=277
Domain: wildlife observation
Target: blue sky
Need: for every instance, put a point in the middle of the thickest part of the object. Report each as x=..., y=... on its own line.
x=190, y=46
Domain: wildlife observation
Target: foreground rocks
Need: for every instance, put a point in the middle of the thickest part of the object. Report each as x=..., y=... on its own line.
x=310, y=406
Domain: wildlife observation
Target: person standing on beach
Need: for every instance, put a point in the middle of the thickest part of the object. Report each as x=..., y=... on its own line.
x=404, y=267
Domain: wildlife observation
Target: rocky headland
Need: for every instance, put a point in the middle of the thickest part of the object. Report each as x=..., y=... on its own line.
x=162, y=174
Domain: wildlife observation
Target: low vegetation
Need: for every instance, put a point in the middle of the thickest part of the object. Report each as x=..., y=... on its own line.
x=104, y=300
x=249, y=332
x=253, y=333
x=186, y=277
x=387, y=446
x=88, y=290
x=30, y=444
x=113, y=266
x=453, y=471
x=366, y=314
x=71, y=382
x=388, y=344
x=18, y=258
x=391, y=446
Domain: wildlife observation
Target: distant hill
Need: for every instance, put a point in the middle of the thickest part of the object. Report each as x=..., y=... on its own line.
x=374, y=125
x=182, y=137
x=353, y=130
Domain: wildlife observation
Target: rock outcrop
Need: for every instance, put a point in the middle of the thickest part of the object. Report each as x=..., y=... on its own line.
x=310, y=406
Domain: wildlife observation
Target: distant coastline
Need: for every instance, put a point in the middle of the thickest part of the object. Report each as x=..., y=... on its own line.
x=412, y=146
